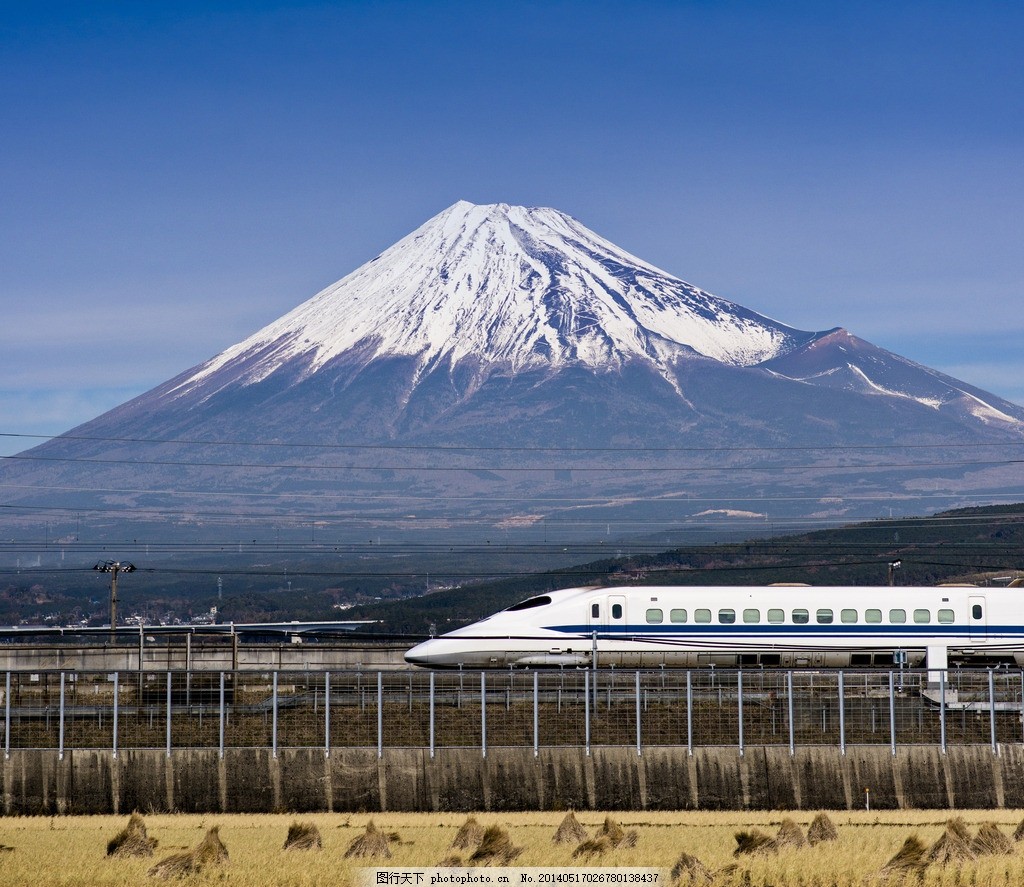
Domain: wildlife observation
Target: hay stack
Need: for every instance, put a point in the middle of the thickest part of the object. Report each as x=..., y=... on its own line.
x=690, y=870
x=369, y=845
x=617, y=836
x=990, y=841
x=303, y=836
x=754, y=841
x=209, y=851
x=593, y=847
x=908, y=862
x=789, y=835
x=495, y=848
x=954, y=845
x=469, y=835
x=821, y=830
x=132, y=840
x=1018, y=834
x=569, y=831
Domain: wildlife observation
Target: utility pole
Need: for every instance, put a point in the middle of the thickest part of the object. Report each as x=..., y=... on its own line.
x=113, y=568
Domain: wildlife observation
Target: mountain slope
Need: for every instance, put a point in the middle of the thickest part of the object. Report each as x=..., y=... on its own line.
x=506, y=367
x=506, y=286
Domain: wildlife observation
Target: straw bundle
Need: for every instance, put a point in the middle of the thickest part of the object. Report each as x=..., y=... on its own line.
x=209, y=851
x=789, y=835
x=495, y=848
x=990, y=841
x=754, y=841
x=303, y=836
x=821, y=830
x=469, y=835
x=132, y=840
x=909, y=861
x=593, y=846
x=616, y=835
x=690, y=870
x=953, y=845
x=569, y=831
x=1018, y=834
x=370, y=844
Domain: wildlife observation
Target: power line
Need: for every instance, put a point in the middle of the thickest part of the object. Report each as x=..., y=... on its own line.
x=506, y=469
x=504, y=448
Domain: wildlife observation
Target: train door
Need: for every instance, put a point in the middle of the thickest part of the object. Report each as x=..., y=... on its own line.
x=607, y=612
x=616, y=610
x=977, y=617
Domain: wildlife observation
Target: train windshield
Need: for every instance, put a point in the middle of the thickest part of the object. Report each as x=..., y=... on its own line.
x=530, y=603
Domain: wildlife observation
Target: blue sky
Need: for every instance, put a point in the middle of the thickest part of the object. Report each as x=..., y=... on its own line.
x=175, y=175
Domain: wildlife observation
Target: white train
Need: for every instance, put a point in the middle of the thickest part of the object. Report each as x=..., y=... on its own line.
x=773, y=626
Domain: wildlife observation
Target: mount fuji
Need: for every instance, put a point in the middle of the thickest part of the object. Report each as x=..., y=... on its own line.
x=504, y=366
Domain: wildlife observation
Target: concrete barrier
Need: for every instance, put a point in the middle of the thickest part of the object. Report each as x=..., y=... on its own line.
x=667, y=778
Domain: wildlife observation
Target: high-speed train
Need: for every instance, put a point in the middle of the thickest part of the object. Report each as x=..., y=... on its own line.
x=780, y=626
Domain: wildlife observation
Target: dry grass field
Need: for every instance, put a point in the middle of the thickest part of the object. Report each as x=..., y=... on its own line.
x=72, y=851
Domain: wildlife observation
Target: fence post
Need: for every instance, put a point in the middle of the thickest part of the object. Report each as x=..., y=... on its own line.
x=483, y=714
x=586, y=709
x=536, y=715
x=739, y=705
x=992, y=711
x=273, y=722
x=892, y=715
x=168, y=749
x=638, y=736
x=789, y=710
x=327, y=714
x=842, y=715
x=6, y=719
x=380, y=714
x=432, y=703
x=220, y=740
x=113, y=740
x=60, y=728
x=942, y=710
x=689, y=714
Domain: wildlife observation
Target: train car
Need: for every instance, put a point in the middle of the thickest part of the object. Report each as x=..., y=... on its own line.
x=771, y=626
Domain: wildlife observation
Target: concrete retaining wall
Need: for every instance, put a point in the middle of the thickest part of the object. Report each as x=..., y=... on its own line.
x=304, y=780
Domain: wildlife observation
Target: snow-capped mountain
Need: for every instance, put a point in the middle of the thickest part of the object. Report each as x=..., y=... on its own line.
x=514, y=287
x=511, y=365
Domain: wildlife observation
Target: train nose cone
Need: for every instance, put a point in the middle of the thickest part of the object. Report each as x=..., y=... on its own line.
x=420, y=654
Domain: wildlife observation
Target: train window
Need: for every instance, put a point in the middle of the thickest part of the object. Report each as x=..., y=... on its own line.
x=776, y=616
x=897, y=616
x=654, y=615
x=824, y=617
x=801, y=617
x=595, y=611
x=873, y=616
x=848, y=616
x=751, y=616
x=616, y=611
x=677, y=615
x=727, y=617
x=976, y=611
x=530, y=603
x=922, y=617
x=702, y=615
x=946, y=617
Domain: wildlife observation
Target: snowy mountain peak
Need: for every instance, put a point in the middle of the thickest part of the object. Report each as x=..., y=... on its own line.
x=515, y=286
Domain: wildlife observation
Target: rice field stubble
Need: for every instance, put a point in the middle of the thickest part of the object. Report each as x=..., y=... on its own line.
x=71, y=851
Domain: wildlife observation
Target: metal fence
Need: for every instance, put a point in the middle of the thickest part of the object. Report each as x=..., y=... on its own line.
x=430, y=710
